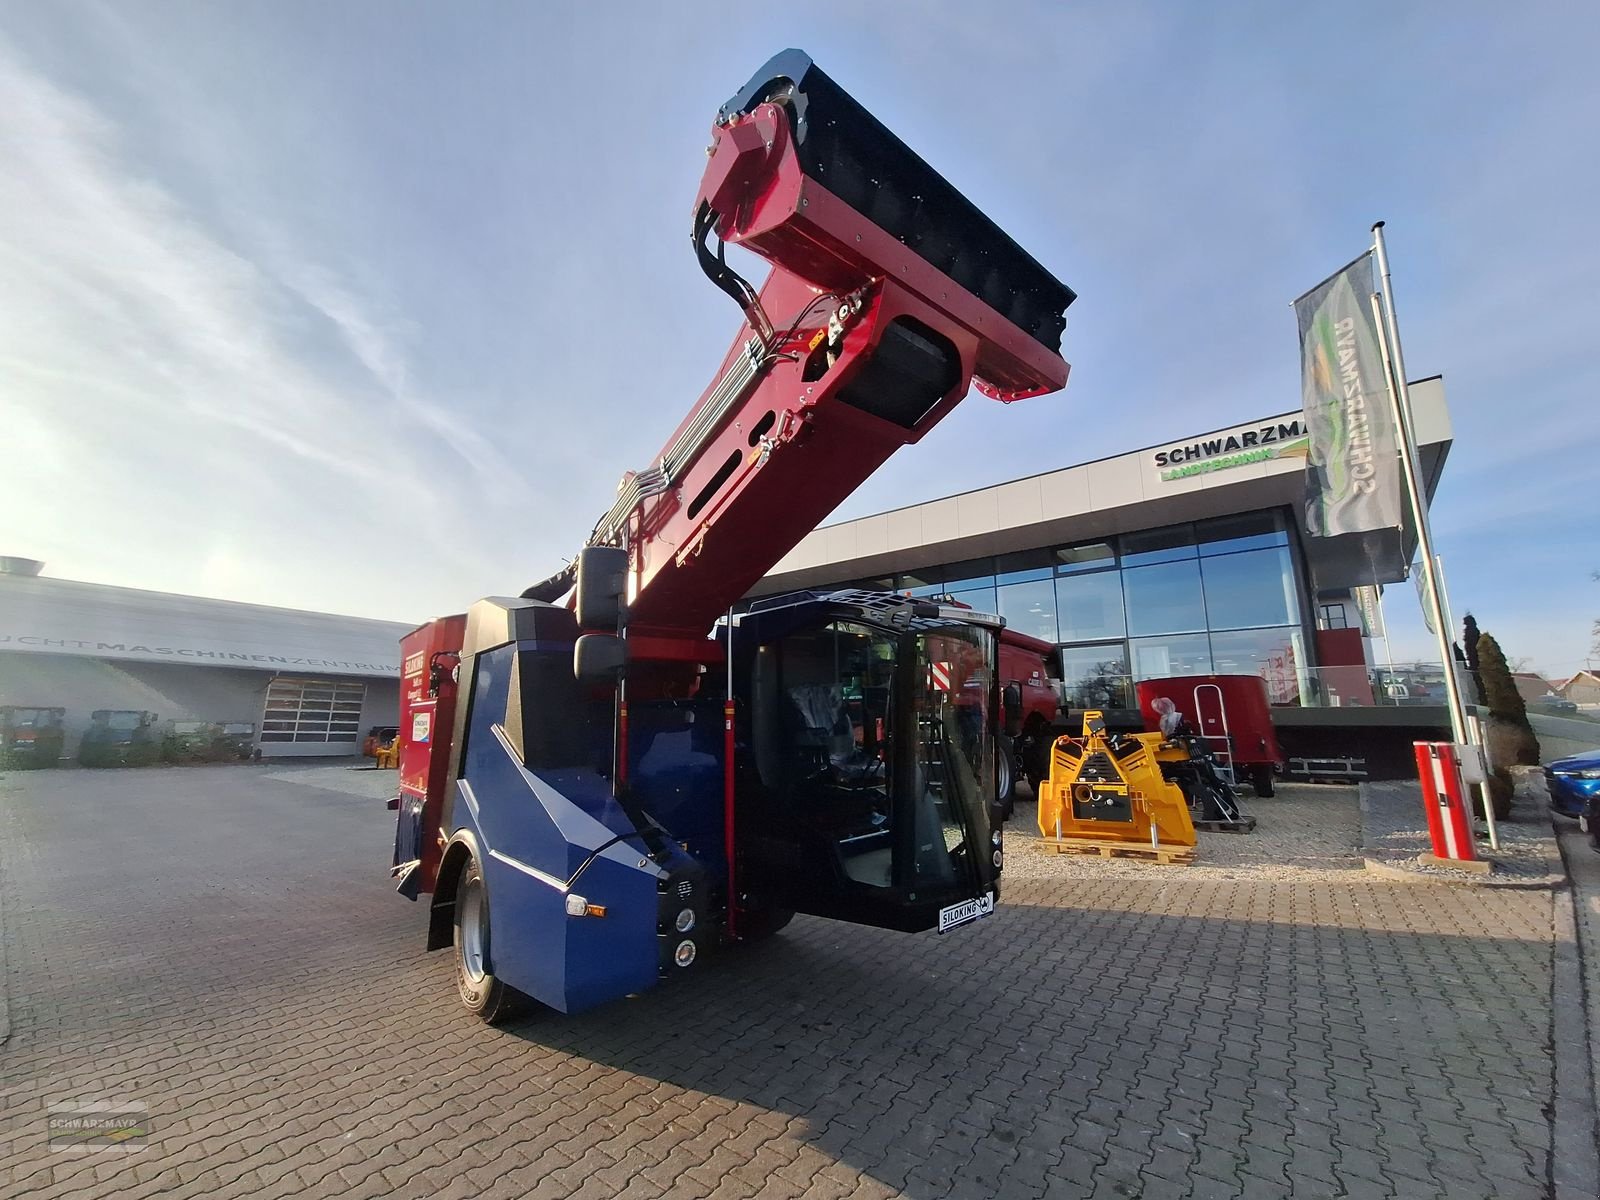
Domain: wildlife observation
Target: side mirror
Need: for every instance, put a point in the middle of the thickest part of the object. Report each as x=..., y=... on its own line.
x=598, y=657
x=602, y=583
x=1011, y=705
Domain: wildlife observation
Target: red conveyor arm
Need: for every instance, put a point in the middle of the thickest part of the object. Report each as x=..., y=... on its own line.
x=889, y=294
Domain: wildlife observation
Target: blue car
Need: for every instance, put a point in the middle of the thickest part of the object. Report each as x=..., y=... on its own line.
x=1575, y=789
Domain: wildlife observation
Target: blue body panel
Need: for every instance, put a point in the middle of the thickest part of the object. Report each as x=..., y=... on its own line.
x=535, y=831
x=675, y=771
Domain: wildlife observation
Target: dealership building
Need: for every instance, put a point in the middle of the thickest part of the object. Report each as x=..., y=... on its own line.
x=311, y=683
x=1189, y=557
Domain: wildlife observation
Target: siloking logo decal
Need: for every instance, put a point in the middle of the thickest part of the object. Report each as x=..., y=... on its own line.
x=1262, y=443
x=967, y=910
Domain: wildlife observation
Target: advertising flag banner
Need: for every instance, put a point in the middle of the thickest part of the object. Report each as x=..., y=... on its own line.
x=1370, y=604
x=1352, y=468
x=1424, y=596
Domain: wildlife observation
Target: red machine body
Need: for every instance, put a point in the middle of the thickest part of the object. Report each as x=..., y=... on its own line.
x=429, y=686
x=1024, y=662
x=1230, y=711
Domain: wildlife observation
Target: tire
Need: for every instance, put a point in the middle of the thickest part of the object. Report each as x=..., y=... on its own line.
x=759, y=926
x=1261, y=779
x=1005, y=789
x=480, y=992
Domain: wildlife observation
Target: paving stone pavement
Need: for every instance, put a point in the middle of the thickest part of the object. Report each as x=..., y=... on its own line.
x=222, y=945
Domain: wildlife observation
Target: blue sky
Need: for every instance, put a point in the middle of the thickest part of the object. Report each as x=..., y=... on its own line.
x=365, y=307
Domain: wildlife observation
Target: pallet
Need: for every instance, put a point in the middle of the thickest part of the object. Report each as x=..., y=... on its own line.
x=1243, y=825
x=1166, y=856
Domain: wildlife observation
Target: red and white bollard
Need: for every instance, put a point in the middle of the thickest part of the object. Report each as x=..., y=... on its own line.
x=1444, y=798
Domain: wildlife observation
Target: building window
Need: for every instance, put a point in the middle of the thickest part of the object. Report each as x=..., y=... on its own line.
x=1165, y=598
x=313, y=710
x=1160, y=657
x=1252, y=588
x=1030, y=607
x=1333, y=617
x=980, y=599
x=1096, y=676
x=1244, y=531
x=1277, y=655
x=1090, y=606
x=1158, y=545
x=1219, y=595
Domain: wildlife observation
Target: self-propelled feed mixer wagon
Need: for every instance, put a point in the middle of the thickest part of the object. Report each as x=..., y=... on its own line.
x=608, y=775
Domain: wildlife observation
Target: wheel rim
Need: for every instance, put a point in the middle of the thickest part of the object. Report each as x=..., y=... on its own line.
x=1004, y=782
x=471, y=919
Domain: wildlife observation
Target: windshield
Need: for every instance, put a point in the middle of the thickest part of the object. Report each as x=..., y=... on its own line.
x=23, y=718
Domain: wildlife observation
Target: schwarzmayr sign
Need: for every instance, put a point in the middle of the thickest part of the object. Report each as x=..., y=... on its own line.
x=1259, y=443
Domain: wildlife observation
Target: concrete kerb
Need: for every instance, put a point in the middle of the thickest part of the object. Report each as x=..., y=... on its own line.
x=5, y=972
x=1575, y=1123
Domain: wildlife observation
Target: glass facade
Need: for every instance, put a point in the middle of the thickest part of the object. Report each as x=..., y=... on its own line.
x=1199, y=598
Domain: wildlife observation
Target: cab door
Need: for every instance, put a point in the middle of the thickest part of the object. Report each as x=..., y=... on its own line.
x=876, y=770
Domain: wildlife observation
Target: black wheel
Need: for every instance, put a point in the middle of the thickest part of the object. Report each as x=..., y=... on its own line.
x=1261, y=779
x=758, y=926
x=479, y=990
x=1005, y=788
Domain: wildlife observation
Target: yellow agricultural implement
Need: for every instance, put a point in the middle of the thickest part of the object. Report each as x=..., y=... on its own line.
x=387, y=754
x=1106, y=795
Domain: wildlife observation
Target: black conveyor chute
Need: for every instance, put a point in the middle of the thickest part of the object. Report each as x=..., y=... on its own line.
x=850, y=152
x=548, y=591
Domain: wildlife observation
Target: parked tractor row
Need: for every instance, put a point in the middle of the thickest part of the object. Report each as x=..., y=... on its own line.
x=34, y=738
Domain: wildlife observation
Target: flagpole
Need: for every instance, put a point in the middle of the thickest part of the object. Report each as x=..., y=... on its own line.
x=1400, y=398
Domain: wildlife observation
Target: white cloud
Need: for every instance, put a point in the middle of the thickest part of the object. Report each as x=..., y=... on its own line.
x=153, y=371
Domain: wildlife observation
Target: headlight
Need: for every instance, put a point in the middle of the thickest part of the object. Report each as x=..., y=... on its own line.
x=1591, y=773
x=685, y=920
x=684, y=955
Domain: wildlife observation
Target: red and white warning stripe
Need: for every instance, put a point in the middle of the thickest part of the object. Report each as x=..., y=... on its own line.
x=1444, y=798
x=939, y=676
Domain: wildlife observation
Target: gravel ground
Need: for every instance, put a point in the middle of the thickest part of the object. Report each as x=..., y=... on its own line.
x=1304, y=833
x=1394, y=832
